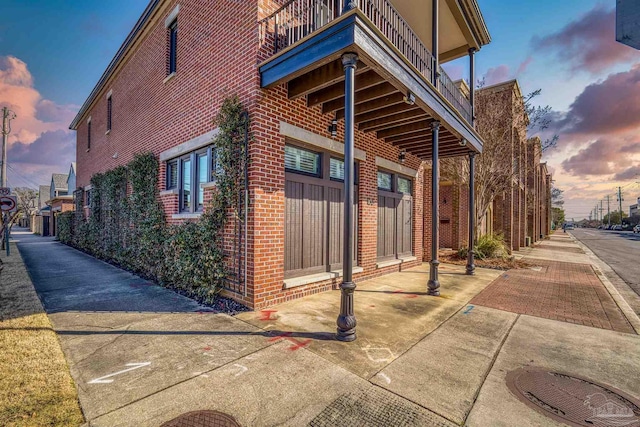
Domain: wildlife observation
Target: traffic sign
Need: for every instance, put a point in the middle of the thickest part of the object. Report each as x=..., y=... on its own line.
x=5, y=191
x=8, y=204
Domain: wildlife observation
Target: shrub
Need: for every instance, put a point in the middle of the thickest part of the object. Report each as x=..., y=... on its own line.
x=127, y=225
x=487, y=246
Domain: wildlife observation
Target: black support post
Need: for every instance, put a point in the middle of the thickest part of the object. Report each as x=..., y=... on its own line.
x=434, y=283
x=471, y=268
x=347, y=319
x=434, y=42
x=472, y=84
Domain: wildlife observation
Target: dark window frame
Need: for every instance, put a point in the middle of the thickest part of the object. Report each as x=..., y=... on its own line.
x=109, y=112
x=89, y=135
x=194, y=206
x=172, y=49
x=321, y=162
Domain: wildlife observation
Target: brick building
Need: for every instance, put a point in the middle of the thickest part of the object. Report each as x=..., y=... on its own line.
x=288, y=63
x=520, y=209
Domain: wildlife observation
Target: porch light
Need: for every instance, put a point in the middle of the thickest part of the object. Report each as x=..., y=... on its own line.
x=409, y=98
x=402, y=156
x=333, y=127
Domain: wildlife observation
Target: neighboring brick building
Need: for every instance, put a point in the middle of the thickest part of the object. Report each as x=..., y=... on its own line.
x=167, y=82
x=519, y=211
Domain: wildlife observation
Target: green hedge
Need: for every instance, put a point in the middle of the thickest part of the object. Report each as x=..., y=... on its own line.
x=127, y=225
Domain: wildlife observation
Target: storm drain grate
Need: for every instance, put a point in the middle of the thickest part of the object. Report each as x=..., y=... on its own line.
x=202, y=419
x=573, y=400
x=375, y=407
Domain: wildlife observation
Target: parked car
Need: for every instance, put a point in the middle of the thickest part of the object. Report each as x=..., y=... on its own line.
x=636, y=229
x=617, y=227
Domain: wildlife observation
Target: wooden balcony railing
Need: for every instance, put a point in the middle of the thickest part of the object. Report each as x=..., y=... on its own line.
x=297, y=19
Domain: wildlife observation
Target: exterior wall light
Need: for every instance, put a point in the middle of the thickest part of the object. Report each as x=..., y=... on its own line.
x=409, y=98
x=402, y=156
x=333, y=127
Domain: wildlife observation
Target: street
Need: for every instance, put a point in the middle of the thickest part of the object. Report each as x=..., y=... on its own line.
x=619, y=249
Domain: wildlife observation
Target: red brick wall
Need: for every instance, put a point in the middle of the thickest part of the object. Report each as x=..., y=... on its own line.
x=218, y=53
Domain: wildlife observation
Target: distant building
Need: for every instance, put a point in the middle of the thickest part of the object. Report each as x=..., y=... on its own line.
x=628, y=22
x=634, y=210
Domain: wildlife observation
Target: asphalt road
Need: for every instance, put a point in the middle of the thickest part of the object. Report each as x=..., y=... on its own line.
x=619, y=249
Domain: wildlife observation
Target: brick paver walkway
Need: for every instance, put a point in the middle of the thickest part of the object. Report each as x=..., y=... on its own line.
x=558, y=290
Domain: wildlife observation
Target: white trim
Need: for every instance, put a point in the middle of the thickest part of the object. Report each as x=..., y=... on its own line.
x=189, y=146
x=395, y=167
x=169, y=192
x=398, y=261
x=172, y=16
x=88, y=187
x=109, y=93
x=210, y=184
x=389, y=263
x=89, y=120
x=317, y=141
x=195, y=215
x=315, y=278
x=169, y=77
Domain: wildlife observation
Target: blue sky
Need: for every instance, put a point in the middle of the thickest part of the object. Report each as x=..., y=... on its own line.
x=52, y=52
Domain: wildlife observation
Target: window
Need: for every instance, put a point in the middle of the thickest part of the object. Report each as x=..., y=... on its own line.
x=89, y=135
x=87, y=197
x=109, y=111
x=172, y=174
x=173, y=47
x=301, y=160
x=314, y=208
x=395, y=210
x=384, y=181
x=404, y=185
x=187, y=174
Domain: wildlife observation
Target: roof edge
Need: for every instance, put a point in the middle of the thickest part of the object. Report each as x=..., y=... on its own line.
x=140, y=24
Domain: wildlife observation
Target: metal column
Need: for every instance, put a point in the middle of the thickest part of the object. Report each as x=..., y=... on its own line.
x=434, y=283
x=471, y=268
x=347, y=319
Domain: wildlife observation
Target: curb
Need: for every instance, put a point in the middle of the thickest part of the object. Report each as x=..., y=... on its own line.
x=622, y=304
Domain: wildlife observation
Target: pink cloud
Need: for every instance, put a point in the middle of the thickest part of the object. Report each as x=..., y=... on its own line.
x=602, y=157
x=40, y=142
x=34, y=114
x=607, y=106
x=588, y=43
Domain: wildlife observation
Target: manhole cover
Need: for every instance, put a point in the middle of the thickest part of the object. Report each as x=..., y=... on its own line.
x=202, y=419
x=573, y=400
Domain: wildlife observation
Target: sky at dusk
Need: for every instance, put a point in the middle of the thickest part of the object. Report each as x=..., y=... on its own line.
x=52, y=53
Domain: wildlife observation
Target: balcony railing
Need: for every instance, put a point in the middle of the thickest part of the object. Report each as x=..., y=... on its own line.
x=297, y=19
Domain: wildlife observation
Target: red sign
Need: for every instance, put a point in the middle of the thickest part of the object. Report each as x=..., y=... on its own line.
x=8, y=203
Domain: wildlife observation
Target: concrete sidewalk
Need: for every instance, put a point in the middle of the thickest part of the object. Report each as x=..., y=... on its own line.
x=418, y=360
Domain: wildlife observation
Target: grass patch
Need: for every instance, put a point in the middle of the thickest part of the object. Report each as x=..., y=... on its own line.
x=36, y=388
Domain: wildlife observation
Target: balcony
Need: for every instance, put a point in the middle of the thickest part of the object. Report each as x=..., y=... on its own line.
x=300, y=19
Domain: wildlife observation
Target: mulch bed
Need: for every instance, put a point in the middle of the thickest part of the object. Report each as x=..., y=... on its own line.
x=451, y=257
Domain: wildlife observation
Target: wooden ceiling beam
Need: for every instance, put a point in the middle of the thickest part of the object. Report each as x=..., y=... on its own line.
x=379, y=91
x=320, y=78
x=405, y=129
x=384, y=112
x=335, y=91
x=378, y=104
x=382, y=123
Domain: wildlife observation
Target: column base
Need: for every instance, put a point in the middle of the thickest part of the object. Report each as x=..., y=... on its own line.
x=346, y=330
x=434, y=284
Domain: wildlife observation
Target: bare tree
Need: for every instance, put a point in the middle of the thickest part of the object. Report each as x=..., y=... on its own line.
x=502, y=119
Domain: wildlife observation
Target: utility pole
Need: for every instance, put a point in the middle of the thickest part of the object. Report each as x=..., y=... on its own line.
x=608, y=210
x=7, y=116
x=620, y=203
x=601, y=210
